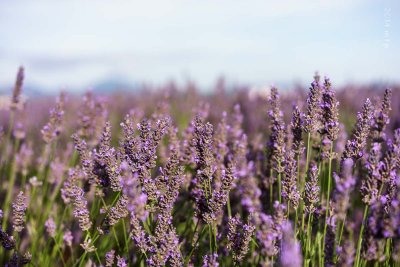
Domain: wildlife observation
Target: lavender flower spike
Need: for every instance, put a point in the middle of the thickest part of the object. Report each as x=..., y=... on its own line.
x=118, y=212
x=330, y=114
x=110, y=257
x=290, y=250
x=277, y=139
x=297, y=130
x=19, y=208
x=53, y=128
x=369, y=186
x=312, y=190
x=80, y=208
x=289, y=183
x=50, y=227
x=6, y=241
x=344, y=186
x=210, y=260
x=354, y=147
x=312, y=120
x=239, y=236
x=381, y=118
x=17, y=88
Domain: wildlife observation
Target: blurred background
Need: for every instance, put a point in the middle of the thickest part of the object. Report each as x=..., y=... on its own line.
x=108, y=45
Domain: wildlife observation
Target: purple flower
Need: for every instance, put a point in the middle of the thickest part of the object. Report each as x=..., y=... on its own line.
x=110, y=257
x=289, y=183
x=297, y=130
x=6, y=241
x=330, y=114
x=381, y=118
x=344, y=186
x=312, y=120
x=50, y=227
x=19, y=209
x=290, y=248
x=276, y=144
x=312, y=190
x=210, y=260
x=53, y=128
x=121, y=262
x=369, y=187
x=17, y=88
x=354, y=147
x=68, y=238
x=239, y=237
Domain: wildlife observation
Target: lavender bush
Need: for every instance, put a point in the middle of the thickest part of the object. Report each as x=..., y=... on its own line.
x=175, y=178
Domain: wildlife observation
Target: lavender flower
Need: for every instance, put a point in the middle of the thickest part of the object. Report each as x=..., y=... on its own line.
x=354, y=147
x=374, y=241
x=50, y=227
x=110, y=257
x=381, y=118
x=80, y=208
x=290, y=250
x=17, y=88
x=276, y=144
x=18, y=260
x=68, y=238
x=279, y=217
x=267, y=237
x=344, y=186
x=121, y=262
x=210, y=260
x=88, y=246
x=312, y=119
x=346, y=254
x=219, y=196
x=330, y=239
x=138, y=235
x=6, y=241
x=105, y=165
x=297, y=130
x=117, y=212
x=205, y=164
x=312, y=190
x=19, y=208
x=289, y=183
x=329, y=107
x=92, y=117
x=53, y=128
x=147, y=157
x=369, y=187
x=239, y=237
x=390, y=165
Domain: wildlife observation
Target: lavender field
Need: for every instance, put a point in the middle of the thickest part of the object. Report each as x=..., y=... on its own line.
x=177, y=178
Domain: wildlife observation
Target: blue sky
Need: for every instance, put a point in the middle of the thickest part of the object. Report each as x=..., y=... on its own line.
x=75, y=44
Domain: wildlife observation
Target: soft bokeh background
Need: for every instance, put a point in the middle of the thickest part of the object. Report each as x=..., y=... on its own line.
x=78, y=45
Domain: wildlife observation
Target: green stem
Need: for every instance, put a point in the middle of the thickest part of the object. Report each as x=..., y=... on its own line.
x=328, y=191
x=360, y=236
x=194, y=246
x=7, y=202
x=279, y=184
x=116, y=237
x=271, y=189
x=229, y=206
x=125, y=235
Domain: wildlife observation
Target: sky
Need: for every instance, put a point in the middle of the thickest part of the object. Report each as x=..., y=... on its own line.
x=77, y=44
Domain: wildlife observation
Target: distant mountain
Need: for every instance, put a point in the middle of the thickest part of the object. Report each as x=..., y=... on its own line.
x=111, y=85
x=28, y=90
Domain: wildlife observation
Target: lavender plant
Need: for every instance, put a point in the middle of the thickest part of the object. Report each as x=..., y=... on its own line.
x=176, y=178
